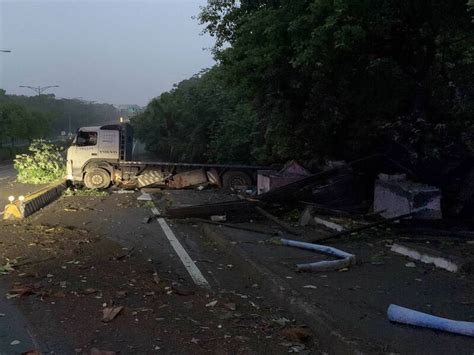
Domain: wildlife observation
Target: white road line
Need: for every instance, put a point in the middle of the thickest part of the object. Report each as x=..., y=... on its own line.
x=188, y=263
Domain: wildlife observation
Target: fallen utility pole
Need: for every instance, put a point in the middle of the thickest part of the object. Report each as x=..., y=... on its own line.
x=209, y=209
x=274, y=219
x=367, y=226
x=233, y=226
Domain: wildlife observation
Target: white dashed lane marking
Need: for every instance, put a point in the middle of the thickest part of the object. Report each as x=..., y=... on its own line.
x=188, y=263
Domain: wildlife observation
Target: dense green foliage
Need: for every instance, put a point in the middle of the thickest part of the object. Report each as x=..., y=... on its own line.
x=17, y=122
x=42, y=165
x=201, y=119
x=324, y=79
x=45, y=116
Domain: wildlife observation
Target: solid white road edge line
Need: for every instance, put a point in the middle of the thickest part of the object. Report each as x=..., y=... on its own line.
x=188, y=263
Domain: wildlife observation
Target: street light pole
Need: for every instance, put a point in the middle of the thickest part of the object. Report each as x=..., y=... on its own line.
x=40, y=89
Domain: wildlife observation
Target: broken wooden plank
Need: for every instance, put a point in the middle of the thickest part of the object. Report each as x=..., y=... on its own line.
x=277, y=221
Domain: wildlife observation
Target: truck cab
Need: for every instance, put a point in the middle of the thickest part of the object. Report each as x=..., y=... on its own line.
x=94, y=153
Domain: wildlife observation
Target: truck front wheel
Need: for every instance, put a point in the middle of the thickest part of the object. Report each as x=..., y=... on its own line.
x=97, y=179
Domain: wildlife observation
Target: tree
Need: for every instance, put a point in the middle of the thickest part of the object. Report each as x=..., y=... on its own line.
x=337, y=78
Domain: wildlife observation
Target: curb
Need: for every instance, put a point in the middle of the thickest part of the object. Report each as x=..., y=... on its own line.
x=328, y=336
x=34, y=201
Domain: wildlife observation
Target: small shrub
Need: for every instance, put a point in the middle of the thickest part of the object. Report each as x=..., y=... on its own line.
x=42, y=165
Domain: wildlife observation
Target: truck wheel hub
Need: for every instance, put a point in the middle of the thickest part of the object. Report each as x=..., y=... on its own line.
x=97, y=179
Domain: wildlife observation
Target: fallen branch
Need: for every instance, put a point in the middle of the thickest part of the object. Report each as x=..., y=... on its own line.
x=274, y=219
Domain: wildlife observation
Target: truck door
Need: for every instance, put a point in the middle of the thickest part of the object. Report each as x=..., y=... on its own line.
x=84, y=147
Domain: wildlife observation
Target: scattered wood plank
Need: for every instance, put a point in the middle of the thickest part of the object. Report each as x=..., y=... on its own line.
x=277, y=221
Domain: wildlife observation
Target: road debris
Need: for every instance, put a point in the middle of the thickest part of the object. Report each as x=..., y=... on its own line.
x=145, y=197
x=109, y=313
x=430, y=256
x=408, y=316
x=345, y=259
x=211, y=304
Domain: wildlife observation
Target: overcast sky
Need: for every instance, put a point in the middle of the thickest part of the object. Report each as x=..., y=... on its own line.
x=120, y=52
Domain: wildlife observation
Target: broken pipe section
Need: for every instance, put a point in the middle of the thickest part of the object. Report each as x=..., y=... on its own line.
x=408, y=316
x=344, y=259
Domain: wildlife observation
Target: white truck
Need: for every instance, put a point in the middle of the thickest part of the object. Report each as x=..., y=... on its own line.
x=101, y=156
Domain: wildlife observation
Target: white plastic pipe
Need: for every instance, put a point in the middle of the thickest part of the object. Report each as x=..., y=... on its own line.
x=408, y=316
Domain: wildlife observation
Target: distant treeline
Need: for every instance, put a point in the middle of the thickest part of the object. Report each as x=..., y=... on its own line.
x=323, y=79
x=28, y=117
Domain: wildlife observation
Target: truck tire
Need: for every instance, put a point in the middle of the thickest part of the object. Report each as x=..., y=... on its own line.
x=236, y=180
x=97, y=178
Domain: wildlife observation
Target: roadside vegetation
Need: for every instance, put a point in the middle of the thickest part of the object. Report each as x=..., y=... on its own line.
x=317, y=80
x=43, y=164
x=25, y=118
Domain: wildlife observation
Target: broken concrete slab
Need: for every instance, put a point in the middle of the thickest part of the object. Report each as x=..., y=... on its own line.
x=431, y=256
x=308, y=218
x=144, y=197
x=394, y=196
x=328, y=224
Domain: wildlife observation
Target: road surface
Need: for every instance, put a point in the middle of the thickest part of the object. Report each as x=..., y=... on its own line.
x=9, y=186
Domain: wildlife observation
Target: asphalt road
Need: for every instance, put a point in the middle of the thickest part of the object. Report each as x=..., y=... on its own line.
x=7, y=172
x=9, y=187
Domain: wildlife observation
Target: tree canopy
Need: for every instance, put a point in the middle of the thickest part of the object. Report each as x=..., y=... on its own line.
x=324, y=79
x=43, y=116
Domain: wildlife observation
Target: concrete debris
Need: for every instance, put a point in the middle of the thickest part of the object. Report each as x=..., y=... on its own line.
x=109, y=313
x=144, y=197
x=394, y=195
x=328, y=224
x=430, y=256
x=211, y=304
x=408, y=316
x=217, y=218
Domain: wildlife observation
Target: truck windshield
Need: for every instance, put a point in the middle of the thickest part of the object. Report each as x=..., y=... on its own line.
x=84, y=139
